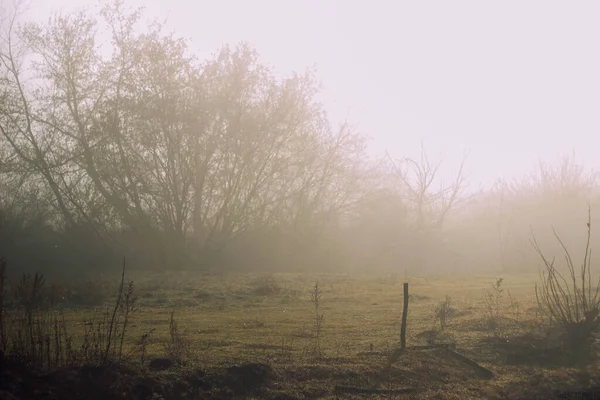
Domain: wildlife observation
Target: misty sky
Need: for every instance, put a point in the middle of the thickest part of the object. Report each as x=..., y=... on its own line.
x=511, y=82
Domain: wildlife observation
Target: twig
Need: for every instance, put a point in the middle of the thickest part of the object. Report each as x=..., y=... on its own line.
x=114, y=315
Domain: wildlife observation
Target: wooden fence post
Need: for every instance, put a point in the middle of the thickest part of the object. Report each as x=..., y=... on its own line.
x=404, y=315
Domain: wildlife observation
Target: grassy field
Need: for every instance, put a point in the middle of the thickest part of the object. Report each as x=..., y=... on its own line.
x=233, y=319
x=226, y=320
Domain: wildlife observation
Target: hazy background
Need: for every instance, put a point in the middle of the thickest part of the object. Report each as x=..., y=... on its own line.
x=509, y=82
x=246, y=172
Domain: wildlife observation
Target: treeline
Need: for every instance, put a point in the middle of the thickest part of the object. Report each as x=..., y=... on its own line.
x=117, y=140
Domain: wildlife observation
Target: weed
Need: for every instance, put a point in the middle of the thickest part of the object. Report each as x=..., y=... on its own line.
x=316, y=294
x=514, y=307
x=493, y=306
x=177, y=347
x=35, y=335
x=128, y=306
x=142, y=344
x=443, y=312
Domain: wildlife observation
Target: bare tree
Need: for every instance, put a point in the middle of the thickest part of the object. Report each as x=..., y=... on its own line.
x=431, y=204
x=151, y=143
x=429, y=198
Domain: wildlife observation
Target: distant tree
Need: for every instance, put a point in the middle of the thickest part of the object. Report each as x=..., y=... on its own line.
x=429, y=199
x=497, y=229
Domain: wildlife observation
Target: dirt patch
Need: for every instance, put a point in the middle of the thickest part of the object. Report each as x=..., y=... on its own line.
x=431, y=367
x=119, y=382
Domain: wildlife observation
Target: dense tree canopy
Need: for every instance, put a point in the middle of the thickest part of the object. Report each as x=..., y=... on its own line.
x=117, y=140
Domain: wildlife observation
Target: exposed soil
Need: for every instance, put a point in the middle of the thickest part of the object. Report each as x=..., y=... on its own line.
x=122, y=382
x=415, y=374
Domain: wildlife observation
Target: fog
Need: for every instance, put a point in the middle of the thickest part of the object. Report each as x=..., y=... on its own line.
x=257, y=199
x=323, y=136
x=510, y=82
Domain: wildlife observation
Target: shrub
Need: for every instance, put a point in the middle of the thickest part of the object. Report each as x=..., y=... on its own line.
x=443, y=312
x=492, y=301
x=571, y=303
x=176, y=347
x=35, y=335
x=316, y=294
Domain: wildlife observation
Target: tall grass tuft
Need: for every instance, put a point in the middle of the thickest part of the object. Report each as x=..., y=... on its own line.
x=34, y=334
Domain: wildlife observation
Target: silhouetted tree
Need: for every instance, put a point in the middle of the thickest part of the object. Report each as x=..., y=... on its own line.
x=149, y=147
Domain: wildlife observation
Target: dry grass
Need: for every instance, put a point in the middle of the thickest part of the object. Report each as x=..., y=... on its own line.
x=227, y=320
x=232, y=319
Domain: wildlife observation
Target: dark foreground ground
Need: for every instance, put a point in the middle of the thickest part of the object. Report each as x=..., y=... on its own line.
x=260, y=381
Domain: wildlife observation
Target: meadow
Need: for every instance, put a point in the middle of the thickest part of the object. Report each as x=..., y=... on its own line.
x=210, y=324
x=119, y=140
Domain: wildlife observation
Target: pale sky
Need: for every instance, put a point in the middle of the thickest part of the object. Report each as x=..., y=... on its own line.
x=511, y=82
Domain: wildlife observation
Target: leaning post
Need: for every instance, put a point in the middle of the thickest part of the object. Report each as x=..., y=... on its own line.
x=404, y=315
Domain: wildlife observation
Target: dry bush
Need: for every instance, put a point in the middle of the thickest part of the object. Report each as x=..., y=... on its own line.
x=30, y=333
x=571, y=303
x=316, y=294
x=443, y=312
x=35, y=335
x=176, y=346
x=515, y=308
x=142, y=345
x=492, y=301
